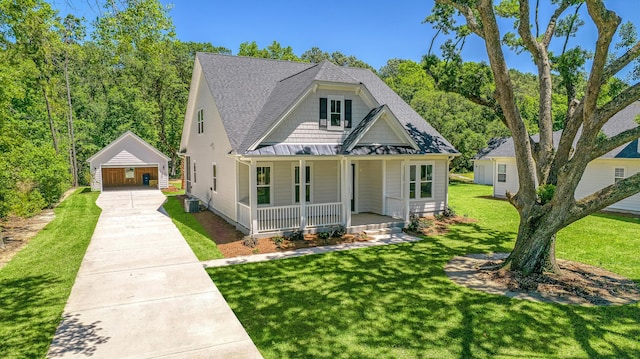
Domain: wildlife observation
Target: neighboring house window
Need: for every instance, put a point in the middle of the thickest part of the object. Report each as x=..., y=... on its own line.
x=200, y=121
x=194, y=172
x=264, y=184
x=618, y=174
x=502, y=172
x=307, y=186
x=214, y=177
x=420, y=181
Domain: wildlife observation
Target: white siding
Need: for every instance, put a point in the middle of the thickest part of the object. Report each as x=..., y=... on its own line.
x=326, y=181
x=208, y=147
x=302, y=123
x=282, y=183
x=394, y=179
x=369, y=186
x=382, y=133
x=483, y=172
x=440, y=181
x=500, y=188
x=600, y=173
x=243, y=183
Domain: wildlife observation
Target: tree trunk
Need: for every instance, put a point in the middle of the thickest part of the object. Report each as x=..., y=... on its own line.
x=72, y=140
x=51, y=125
x=534, y=251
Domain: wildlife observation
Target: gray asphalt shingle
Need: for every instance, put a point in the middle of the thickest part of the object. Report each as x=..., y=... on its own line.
x=252, y=94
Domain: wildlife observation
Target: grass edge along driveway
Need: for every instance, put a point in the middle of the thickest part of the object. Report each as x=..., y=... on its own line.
x=36, y=283
x=396, y=301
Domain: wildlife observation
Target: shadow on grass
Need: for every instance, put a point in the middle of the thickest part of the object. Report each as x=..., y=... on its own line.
x=396, y=301
x=24, y=305
x=618, y=217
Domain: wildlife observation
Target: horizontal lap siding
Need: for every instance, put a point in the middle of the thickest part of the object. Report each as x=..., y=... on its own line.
x=381, y=132
x=369, y=186
x=282, y=183
x=394, y=179
x=301, y=126
x=325, y=181
x=600, y=174
x=243, y=189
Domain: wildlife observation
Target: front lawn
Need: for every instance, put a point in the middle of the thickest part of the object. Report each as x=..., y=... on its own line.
x=195, y=235
x=396, y=301
x=35, y=284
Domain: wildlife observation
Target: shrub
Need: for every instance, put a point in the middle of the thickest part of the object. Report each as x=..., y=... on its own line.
x=296, y=235
x=418, y=224
x=545, y=193
x=337, y=231
x=250, y=242
x=324, y=235
x=278, y=240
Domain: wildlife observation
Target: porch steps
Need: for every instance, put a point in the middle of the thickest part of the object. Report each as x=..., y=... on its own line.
x=379, y=231
x=378, y=228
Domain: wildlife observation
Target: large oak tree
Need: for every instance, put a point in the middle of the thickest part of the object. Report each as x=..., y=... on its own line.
x=543, y=168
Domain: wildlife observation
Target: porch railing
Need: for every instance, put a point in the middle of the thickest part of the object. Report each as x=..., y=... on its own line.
x=324, y=214
x=395, y=207
x=288, y=217
x=244, y=215
x=278, y=218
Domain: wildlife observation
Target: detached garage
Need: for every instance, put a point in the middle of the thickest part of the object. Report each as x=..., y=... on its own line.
x=128, y=162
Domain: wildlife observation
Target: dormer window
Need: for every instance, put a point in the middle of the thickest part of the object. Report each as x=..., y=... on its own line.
x=335, y=113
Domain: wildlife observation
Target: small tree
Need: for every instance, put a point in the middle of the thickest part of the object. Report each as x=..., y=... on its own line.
x=543, y=170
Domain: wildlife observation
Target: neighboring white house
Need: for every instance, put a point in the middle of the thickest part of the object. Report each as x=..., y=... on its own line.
x=128, y=161
x=252, y=124
x=622, y=162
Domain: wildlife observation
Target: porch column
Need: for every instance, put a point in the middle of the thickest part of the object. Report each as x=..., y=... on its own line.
x=253, y=196
x=345, y=191
x=302, y=192
x=405, y=194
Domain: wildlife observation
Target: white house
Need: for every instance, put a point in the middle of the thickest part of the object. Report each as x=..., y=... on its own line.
x=622, y=162
x=252, y=124
x=129, y=162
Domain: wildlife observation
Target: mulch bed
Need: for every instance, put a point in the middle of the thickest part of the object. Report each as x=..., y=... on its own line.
x=578, y=283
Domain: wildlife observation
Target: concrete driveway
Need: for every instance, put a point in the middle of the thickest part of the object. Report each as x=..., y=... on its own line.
x=142, y=293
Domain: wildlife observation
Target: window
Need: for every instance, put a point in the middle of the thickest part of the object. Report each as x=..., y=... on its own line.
x=502, y=172
x=420, y=181
x=335, y=113
x=296, y=181
x=264, y=184
x=194, y=172
x=618, y=174
x=200, y=121
x=214, y=177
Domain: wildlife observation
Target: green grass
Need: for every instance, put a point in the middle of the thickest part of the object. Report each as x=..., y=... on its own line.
x=197, y=238
x=396, y=301
x=35, y=284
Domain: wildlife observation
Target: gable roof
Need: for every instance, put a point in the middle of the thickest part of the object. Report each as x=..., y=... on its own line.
x=125, y=154
x=252, y=94
x=622, y=121
x=365, y=125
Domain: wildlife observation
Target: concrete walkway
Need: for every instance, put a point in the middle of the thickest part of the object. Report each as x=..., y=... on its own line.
x=378, y=240
x=141, y=292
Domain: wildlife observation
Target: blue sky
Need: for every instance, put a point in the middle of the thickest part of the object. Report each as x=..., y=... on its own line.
x=374, y=31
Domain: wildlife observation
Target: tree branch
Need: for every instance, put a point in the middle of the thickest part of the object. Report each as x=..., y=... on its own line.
x=607, y=23
x=604, y=198
x=621, y=101
x=467, y=12
x=618, y=64
x=615, y=142
x=553, y=21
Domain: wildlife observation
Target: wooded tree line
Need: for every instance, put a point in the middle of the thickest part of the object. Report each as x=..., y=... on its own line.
x=66, y=93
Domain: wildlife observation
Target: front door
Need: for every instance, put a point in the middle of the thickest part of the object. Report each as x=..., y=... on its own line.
x=353, y=187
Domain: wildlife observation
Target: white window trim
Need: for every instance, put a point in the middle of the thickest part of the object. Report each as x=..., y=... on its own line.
x=341, y=126
x=418, y=181
x=270, y=185
x=498, y=173
x=200, y=121
x=624, y=173
x=293, y=182
x=214, y=177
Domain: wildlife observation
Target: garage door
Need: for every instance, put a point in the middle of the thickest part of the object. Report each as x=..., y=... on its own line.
x=129, y=177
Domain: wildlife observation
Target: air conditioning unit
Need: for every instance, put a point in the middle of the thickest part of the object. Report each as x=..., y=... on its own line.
x=191, y=205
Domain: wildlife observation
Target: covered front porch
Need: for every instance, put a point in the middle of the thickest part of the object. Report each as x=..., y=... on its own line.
x=275, y=196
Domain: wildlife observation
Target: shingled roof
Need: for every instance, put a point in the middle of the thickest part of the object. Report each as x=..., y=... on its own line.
x=622, y=121
x=252, y=94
